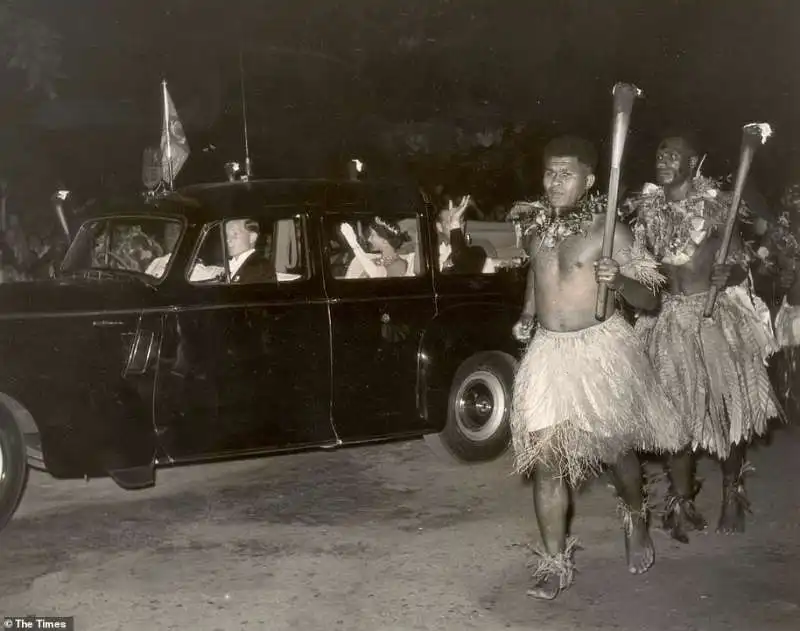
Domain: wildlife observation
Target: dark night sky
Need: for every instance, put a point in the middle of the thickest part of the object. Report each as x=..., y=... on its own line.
x=322, y=76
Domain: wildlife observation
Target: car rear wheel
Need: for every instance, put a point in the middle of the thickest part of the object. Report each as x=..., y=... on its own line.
x=13, y=467
x=479, y=408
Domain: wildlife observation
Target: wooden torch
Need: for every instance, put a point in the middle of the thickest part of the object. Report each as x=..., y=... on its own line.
x=753, y=135
x=624, y=96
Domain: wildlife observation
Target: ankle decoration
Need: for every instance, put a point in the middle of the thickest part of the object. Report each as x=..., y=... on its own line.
x=734, y=490
x=681, y=516
x=628, y=514
x=561, y=564
x=679, y=505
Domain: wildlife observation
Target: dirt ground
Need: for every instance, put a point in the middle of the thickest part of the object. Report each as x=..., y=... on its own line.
x=386, y=537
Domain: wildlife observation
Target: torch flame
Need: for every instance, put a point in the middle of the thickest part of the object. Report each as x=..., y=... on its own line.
x=638, y=92
x=759, y=129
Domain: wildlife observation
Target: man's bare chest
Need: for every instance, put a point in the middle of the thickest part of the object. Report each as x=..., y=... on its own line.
x=575, y=255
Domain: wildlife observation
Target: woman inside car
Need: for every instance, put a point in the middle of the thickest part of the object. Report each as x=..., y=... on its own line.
x=384, y=237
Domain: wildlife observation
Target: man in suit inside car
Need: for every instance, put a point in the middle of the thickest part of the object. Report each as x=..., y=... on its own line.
x=246, y=263
x=455, y=253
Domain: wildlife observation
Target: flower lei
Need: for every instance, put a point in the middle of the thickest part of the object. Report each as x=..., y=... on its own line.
x=540, y=216
x=674, y=230
x=131, y=244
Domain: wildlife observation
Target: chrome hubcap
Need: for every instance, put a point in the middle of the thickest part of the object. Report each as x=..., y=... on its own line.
x=480, y=406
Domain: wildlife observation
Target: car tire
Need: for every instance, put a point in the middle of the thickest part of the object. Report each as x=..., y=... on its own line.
x=479, y=408
x=13, y=467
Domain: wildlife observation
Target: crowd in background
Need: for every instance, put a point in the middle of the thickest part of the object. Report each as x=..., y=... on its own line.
x=33, y=252
x=27, y=254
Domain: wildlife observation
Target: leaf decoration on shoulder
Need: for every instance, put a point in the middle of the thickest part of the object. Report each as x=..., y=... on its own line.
x=675, y=229
x=540, y=217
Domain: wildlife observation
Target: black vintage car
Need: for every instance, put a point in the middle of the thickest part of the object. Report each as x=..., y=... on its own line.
x=233, y=319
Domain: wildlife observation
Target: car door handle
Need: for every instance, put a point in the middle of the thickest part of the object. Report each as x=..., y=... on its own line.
x=107, y=323
x=140, y=353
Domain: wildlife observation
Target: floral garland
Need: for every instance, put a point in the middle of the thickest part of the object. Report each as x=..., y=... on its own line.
x=540, y=216
x=133, y=247
x=675, y=229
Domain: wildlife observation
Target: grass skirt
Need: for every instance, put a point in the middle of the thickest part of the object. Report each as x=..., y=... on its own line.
x=786, y=363
x=583, y=399
x=713, y=369
x=757, y=312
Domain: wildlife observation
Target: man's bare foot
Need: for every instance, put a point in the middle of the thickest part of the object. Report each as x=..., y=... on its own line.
x=553, y=573
x=639, y=549
x=547, y=588
x=680, y=517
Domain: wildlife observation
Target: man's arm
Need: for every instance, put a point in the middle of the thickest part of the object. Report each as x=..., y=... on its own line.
x=638, y=274
x=523, y=329
x=529, y=305
x=735, y=268
x=738, y=260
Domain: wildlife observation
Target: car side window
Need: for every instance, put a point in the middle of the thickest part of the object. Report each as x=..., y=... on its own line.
x=480, y=247
x=362, y=245
x=208, y=263
x=252, y=250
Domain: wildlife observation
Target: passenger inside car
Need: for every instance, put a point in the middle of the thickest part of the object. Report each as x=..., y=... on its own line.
x=246, y=264
x=456, y=255
x=157, y=267
x=264, y=250
x=121, y=243
x=385, y=238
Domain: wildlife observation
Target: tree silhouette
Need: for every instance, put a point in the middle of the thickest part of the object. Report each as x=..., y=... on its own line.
x=28, y=45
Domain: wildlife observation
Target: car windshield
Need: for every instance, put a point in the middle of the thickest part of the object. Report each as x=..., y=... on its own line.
x=141, y=245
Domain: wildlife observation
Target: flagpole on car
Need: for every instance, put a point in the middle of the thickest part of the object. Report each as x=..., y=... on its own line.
x=248, y=170
x=166, y=132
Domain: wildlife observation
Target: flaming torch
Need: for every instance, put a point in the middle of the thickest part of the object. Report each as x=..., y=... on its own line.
x=624, y=96
x=753, y=136
x=58, y=199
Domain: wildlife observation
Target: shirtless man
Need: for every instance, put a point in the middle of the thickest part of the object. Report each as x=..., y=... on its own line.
x=713, y=369
x=782, y=250
x=585, y=394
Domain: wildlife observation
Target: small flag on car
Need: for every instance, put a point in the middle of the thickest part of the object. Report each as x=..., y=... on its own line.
x=174, y=146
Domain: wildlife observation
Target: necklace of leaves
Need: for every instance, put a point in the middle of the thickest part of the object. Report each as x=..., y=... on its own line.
x=551, y=228
x=675, y=228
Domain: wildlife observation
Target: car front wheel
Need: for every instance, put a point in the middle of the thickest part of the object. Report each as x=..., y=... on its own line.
x=13, y=467
x=479, y=408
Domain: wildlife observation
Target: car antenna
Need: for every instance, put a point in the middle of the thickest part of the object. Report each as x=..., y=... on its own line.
x=247, y=164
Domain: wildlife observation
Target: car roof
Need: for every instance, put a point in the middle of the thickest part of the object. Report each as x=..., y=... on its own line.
x=218, y=200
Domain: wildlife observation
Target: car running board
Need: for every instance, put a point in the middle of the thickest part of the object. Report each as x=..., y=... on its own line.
x=332, y=445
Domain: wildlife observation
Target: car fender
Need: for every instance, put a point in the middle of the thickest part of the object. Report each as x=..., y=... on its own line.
x=455, y=334
x=107, y=428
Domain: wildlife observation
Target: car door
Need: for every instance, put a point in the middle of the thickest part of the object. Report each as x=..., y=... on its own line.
x=245, y=366
x=376, y=323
